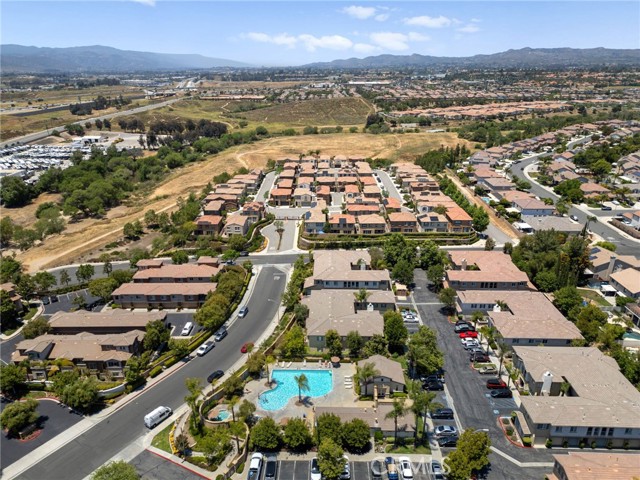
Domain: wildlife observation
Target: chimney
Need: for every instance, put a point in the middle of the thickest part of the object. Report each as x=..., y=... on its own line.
x=464, y=264
x=547, y=380
x=610, y=267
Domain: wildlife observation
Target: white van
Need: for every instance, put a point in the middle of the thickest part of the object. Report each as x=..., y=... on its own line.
x=157, y=416
x=186, y=330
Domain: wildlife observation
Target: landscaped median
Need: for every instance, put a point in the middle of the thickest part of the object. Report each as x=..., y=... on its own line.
x=331, y=241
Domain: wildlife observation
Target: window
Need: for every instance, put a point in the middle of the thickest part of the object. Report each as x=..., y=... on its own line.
x=628, y=431
x=515, y=340
x=610, y=434
x=596, y=431
x=558, y=429
x=531, y=340
x=589, y=430
x=573, y=429
x=545, y=340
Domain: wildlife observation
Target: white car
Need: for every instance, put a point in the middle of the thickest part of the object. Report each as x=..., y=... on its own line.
x=255, y=467
x=469, y=342
x=205, y=348
x=445, y=431
x=405, y=468
x=315, y=470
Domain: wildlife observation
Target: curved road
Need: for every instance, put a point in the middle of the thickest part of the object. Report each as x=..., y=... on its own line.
x=607, y=232
x=32, y=137
x=87, y=452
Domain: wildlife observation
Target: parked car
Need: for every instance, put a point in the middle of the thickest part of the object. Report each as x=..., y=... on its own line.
x=205, y=348
x=246, y=347
x=215, y=375
x=496, y=383
x=606, y=208
x=462, y=322
x=470, y=343
x=405, y=468
x=442, y=413
x=432, y=378
x=315, y=469
x=346, y=471
x=244, y=253
x=434, y=386
x=480, y=358
x=220, y=334
x=463, y=328
x=411, y=319
x=448, y=441
x=445, y=431
x=243, y=312
x=501, y=393
x=468, y=334
x=488, y=369
x=54, y=299
x=392, y=469
x=46, y=301
x=271, y=468
x=574, y=218
x=186, y=330
x=435, y=469
x=255, y=466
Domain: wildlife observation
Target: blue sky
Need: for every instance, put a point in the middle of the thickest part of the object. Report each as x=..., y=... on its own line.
x=295, y=33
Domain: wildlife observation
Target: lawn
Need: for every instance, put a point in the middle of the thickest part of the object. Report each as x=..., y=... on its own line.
x=161, y=440
x=594, y=296
x=408, y=450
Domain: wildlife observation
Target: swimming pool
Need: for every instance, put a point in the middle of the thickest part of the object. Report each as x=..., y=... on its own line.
x=320, y=383
x=222, y=416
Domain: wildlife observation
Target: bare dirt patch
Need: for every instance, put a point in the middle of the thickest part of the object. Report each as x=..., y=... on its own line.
x=26, y=216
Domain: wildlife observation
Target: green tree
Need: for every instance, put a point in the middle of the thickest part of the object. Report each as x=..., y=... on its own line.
x=435, y=274
x=65, y=278
x=85, y=272
x=421, y=403
x=255, y=363
x=19, y=415
x=10, y=269
x=395, y=331
x=470, y=456
x=489, y=244
x=333, y=342
x=354, y=343
x=265, y=435
x=194, y=387
x=403, y=271
x=80, y=394
x=232, y=386
x=301, y=313
x=132, y=230
x=330, y=459
x=180, y=348
x=156, y=333
x=44, y=281
x=397, y=410
x=6, y=230
x=12, y=378
x=135, y=367
x=430, y=255
x=567, y=298
x=590, y=320
x=377, y=345
x=302, y=382
x=79, y=302
x=118, y=470
x=62, y=379
x=103, y=288
x=328, y=425
x=423, y=354
x=14, y=192
x=448, y=297
x=397, y=248
x=365, y=374
x=216, y=444
x=297, y=436
x=179, y=257
x=293, y=345
x=36, y=327
x=8, y=310
x=246, y=410
x=356, y=435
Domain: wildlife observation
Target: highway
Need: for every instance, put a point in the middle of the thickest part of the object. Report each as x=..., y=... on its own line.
x=607, y=232
x=32, y=137
x=87, y=452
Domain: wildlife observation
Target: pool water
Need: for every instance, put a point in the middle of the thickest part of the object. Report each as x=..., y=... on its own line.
x=320, y=383
x=222, y=416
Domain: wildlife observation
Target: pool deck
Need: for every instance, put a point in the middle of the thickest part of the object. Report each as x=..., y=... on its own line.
x=340, y=396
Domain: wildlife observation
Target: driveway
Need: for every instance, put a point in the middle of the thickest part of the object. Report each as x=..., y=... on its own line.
x=388, y=184
x=265, y=187
x=154, y=467
x=55, y=419
x=466, y=390
x=288, y=236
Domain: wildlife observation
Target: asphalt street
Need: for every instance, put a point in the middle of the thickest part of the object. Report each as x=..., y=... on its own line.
x=625, y=246
x=154, y=467
x=54, y=419
x=467, y=392
x=85, y=453
x=388, y=184
x=288, y=237
x=265, y=187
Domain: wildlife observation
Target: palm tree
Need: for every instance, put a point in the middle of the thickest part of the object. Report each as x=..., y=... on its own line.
x=361, y=295
x=422, y=403
x=303, y=384
x=397, y=410
x=476, y=317
x=366, y=373
x=232, y=406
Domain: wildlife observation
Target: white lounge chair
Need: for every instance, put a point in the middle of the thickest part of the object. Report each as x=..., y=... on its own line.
x=289, y=364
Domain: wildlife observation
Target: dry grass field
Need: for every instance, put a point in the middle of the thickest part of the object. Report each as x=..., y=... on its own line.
x=89, y=235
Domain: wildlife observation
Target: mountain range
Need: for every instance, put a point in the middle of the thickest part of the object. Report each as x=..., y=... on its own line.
x=96, y=58
x=22, y=59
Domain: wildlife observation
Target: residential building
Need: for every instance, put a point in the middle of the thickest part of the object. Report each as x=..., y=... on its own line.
x=254, y=211
x=532, y=206
x=342, y=223
x=303, y=197
x=209, y=225
x=184, y=273
x=349, y=269
x=459, y=220
x=577, y=395
x=372, y=225
x=433, y=222
x=92, y=354
x=403, y=222
x=315, y=221
x=388, y=381
x=552, y=222
x=162, y=295
x=605, y=262
x=281, y=197
x=479, y=270
x=10, y=288
x=237, y=224
x=626, y=282
x=583, y=465
x=110, y=321
x=593, y=189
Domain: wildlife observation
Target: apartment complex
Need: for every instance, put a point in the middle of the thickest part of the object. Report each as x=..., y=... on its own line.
x=482, y=270
x=345, y=269
x=110, y=321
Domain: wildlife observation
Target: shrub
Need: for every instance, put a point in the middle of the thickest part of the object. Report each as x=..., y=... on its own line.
x=609, y=444
x=240, y=468
x=565, y=444
x=377, y=436
x=155, y=372
x=549, y=443
x=509, y=431
x=582, y=444
x=593, y=444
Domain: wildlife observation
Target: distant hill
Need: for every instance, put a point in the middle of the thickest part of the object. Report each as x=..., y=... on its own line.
x=21, y=59
x=522, y=58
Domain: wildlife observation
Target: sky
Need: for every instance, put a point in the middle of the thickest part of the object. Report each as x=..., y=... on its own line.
x=274, y=33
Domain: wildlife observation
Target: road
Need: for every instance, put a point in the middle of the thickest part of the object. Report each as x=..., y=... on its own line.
x=388, y=184
x=611, y=234
x=288, y=237
x=93, y=448
x=32, y=137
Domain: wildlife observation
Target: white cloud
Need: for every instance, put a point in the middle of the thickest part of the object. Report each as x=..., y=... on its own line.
x=280, y=39
x=150, y=3
x=381, y=17
x=429, y=22
x=364, y=48
x=390, y=40
x=361, y=13
x=470, y=28
x=475, y=20
x=418, y=37
x=332, y=42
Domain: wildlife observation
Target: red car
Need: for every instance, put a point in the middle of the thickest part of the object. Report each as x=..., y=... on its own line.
x=246, y=347
x=468, y=335
x=496, y=383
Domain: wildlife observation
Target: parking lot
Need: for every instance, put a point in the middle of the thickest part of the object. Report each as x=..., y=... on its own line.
x=152, y=466
x=301, y=470
x=64, y=302
x=177, y=321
